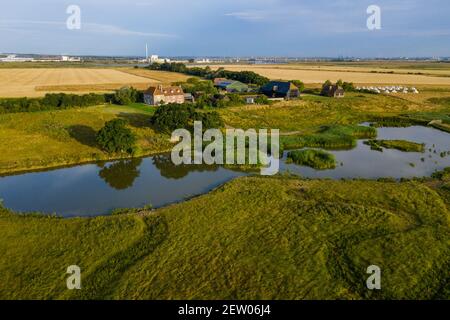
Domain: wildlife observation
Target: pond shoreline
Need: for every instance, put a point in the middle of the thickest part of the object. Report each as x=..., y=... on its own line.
x=101, y=187
x=36, y=169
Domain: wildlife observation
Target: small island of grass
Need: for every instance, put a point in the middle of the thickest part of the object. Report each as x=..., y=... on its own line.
x=401, y=145
x=317, y=159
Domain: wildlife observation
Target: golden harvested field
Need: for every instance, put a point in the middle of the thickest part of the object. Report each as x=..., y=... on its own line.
x=37, y=82
x=316, y=74
x=382, y=68
x=159, y=76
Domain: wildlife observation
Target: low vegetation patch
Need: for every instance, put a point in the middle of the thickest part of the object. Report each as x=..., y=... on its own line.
x=442, y=175
x=316, y=159
x=444, y=101
x=330, y=137
x=397, y=122
x=401, y=145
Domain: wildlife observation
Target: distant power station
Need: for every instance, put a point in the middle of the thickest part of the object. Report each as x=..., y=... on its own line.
x=153, y=58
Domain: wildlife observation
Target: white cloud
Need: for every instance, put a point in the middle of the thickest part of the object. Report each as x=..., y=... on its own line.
x=248, y=15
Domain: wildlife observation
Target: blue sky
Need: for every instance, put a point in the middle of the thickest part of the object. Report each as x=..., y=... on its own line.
x=302, y=28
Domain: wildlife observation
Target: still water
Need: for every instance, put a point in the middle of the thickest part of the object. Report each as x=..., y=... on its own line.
x=97, y=189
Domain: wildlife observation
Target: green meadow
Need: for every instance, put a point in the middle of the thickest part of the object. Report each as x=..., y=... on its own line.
x=253, y=238
x=37, y=140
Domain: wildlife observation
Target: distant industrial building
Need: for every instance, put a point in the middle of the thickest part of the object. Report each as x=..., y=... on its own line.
x=14, y=58
x=204, y=60
x=153, y=58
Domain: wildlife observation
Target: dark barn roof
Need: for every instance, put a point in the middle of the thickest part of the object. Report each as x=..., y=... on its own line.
x=278, y=88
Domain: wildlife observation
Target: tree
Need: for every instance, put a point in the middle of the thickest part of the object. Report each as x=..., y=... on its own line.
x=126, y=95
x=182, y=116
x=173, y=116
x=348, y=86
x=299, y=84
x=327, y=83
x=115, y=137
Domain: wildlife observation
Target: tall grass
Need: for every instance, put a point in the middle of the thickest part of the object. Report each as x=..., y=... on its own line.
x=316, y=159
x=331, y=137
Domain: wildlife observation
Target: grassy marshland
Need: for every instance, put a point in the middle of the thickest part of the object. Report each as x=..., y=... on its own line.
x=254, y=238
x=316, y=159
x=401, y=145
x=330, y=137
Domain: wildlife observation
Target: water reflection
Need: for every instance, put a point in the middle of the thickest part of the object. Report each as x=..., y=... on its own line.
x=170, y=171
x=121, y=175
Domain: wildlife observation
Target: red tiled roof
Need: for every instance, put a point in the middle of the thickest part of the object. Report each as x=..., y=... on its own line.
x=165, y=91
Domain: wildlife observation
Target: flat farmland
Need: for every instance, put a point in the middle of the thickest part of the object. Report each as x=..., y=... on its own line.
x=360, y=75
x=37, y=82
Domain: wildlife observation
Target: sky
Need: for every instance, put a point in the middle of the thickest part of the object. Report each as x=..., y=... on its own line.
x=294, y=28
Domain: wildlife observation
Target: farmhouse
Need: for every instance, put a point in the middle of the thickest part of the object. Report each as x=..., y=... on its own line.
x=333, y=91
x=161, y=95
x=280, y=89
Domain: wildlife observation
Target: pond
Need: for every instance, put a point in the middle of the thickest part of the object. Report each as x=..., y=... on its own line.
x=362, y=162
x=97, y=189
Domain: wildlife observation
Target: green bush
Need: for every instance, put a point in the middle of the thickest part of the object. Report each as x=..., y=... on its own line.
x=115, y=137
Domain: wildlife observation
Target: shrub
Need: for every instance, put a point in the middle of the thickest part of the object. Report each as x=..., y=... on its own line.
x=115, y=137
x=262, y=99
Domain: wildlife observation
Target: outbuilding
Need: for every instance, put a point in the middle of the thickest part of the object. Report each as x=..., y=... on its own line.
x=281, y=89
x=333, y=91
